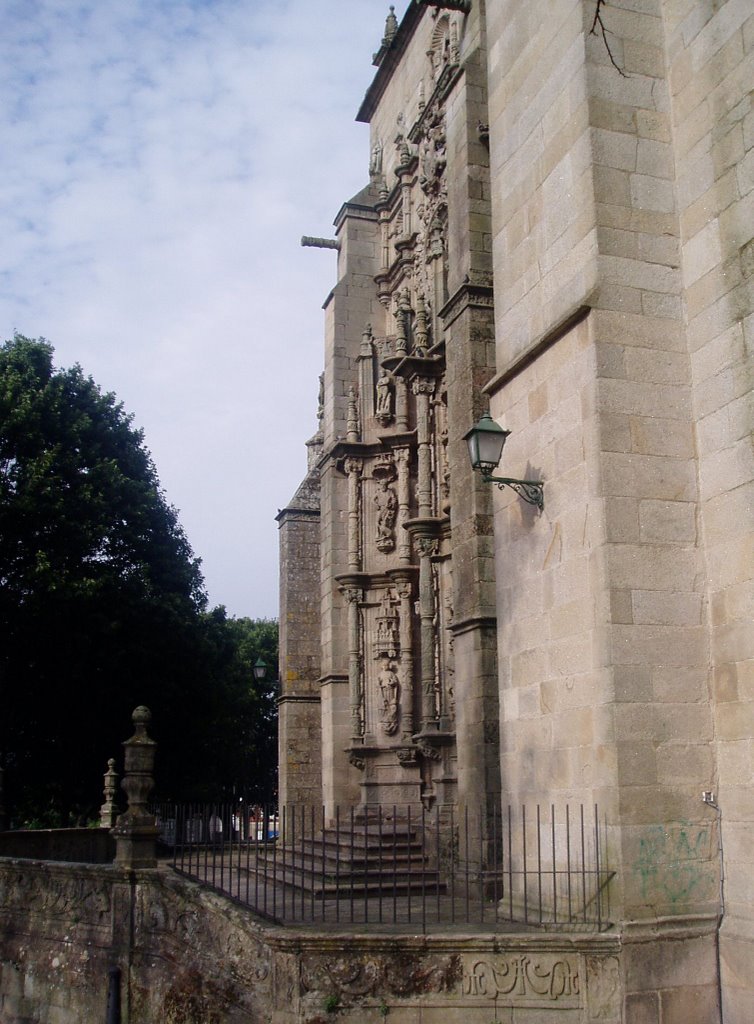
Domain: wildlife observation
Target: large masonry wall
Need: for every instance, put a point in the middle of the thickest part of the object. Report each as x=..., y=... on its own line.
x=710, y=55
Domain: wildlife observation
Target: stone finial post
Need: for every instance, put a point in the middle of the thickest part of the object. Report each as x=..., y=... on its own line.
x=135, y=831
x=108, y=812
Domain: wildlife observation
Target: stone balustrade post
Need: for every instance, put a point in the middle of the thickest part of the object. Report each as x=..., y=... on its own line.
x=108, y=812
x=136, y=831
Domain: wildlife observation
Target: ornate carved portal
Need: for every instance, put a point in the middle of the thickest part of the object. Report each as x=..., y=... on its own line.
x=394, y=456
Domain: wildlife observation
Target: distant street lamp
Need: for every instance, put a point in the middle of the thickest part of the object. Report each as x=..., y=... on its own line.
x=260, y=669
x=486, y=441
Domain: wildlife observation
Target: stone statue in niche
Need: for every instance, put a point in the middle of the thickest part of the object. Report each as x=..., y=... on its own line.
x=375, y=160
x=384, y=410
x=390, y=691
x=386, y=501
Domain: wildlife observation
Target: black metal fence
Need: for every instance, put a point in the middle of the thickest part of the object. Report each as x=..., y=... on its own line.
x=520, y=868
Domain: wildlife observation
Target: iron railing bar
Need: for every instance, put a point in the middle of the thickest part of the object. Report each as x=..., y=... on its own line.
x=248, y=857
x=467, y=893
x=568, y=860
x=410, y=860
x=554, y=870
x=379, y=865
x=495, y=861
x=281, y=819
x=366, y=867
x=597, y=867
x=539, y=861
x=583, y=863
x=437, y=860
x=395, y=865
x=337, y=863
x=424, y=869
x=313, y=859
x=510, y=863
x=239, y=818
x=452, y=867
x=523, y=834
x=480, y=849
x=324, y=864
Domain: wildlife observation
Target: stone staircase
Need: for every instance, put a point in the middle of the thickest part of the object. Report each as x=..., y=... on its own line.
x=368, y=861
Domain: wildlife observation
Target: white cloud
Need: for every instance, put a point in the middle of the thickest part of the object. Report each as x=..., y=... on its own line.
x=161, y=160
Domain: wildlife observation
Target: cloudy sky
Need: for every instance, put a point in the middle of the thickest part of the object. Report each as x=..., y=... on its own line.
x=160, y=161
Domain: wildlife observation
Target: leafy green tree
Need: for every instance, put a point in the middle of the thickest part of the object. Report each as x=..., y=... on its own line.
x=255, y=641
x=102, y=602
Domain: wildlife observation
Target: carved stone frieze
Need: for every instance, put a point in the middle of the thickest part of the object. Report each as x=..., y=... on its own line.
x=523, y=978
x=365, y=975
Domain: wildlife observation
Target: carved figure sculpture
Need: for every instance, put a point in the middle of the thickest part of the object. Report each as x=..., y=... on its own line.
x=384, y=410
x=390, y=689
x=386, y=501
x=375, y=161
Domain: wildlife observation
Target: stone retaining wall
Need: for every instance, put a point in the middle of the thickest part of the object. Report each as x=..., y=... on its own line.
x=189, y=956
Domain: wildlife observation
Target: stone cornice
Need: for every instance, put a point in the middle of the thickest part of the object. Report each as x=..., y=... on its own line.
x=333, y=677
x=299, y=698
x=535, y=349
x=474, y=622
x=478, y=296
x=677, y=928
x=292, y=512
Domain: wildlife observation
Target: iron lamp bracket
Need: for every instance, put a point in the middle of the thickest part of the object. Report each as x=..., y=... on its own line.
x=532, y=491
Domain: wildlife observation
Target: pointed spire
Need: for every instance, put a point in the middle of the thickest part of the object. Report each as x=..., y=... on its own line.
x=391, y=27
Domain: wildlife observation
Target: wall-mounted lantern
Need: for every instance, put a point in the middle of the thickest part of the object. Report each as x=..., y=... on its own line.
x=486, y=441
x=260, y=669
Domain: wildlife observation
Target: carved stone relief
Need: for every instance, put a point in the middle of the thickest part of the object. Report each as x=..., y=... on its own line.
x=603, y=987
x=523, y=978
x=387, y=642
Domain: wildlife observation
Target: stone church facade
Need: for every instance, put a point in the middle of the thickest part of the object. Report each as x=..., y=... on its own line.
x=557, y=228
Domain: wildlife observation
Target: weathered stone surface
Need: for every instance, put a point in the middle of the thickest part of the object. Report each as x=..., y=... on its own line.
x=597, y=278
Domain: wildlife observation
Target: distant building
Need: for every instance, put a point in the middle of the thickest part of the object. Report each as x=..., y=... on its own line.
x=557, y=227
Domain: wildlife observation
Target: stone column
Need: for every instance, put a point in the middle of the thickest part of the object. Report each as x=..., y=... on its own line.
x=401, y=404
x=136, y=831
x=353, y=469
x=423, y=388
x=401, y=457
x=353, y=596
x=405, y=592
x=427, y=548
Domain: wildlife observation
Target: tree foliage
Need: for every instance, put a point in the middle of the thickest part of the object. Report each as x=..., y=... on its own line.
x=102, y=605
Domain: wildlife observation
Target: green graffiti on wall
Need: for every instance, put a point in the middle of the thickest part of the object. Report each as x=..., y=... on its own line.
x=674, y=862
